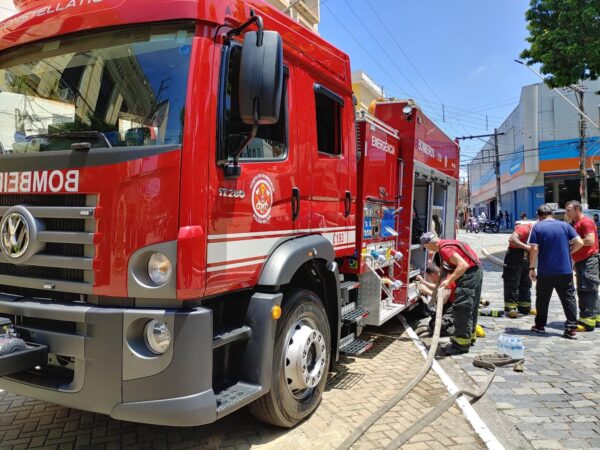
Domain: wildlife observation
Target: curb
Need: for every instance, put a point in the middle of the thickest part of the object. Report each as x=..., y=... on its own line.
x=492, y=258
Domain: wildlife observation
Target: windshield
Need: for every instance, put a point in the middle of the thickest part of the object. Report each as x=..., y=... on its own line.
x=109, y=89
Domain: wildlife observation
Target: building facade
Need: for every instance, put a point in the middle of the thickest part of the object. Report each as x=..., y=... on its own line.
x=365, y=90
x=7, y=9
x=539, y=154
x=307, y=12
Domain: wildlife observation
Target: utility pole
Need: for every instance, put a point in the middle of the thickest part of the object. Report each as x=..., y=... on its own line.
x=496, y=165
x=583, y=187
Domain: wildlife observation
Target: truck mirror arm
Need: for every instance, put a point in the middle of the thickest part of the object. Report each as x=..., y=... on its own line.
x=234, y=170
x=253, y=19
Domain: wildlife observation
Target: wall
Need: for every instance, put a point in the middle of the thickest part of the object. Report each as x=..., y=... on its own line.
x=7, y=9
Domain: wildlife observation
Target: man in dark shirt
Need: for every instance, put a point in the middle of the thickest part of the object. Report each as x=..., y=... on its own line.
x=586, y=266
x=554, y=241
x=464, y=268
x=515, y=273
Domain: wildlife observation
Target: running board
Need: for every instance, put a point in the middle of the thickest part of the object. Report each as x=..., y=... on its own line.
x=345, y=288
x=236, y=397
x=351, y=346
x=230, y=335
x=352, y=314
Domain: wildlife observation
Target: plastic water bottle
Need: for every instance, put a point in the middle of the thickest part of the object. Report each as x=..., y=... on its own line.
x=501, y=344
x=517, y=348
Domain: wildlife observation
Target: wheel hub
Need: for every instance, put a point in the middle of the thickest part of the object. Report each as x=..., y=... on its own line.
x=305, y=358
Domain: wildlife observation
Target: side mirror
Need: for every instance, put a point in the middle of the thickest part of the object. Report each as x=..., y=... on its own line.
x=261, y=78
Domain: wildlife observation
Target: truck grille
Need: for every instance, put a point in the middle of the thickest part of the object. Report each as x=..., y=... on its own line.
x=65, y=263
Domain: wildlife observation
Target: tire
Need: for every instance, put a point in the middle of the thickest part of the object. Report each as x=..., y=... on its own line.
x=285, y=406
x=477, y=229
x=496, y=229
x=12, y=345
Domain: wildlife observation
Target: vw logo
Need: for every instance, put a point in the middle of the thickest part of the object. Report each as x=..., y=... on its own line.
x=14, y=235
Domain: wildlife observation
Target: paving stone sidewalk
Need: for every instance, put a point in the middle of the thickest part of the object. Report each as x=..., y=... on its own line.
x=360, y=386
x=555, y=402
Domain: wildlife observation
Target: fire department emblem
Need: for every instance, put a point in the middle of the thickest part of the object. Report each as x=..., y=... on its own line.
x=262, y=197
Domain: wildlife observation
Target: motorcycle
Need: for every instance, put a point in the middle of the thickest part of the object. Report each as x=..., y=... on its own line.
x=490, y=225
x=473, y=226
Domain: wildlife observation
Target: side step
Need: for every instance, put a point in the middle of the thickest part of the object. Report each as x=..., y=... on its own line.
x=351, y=313
x=229, y=335
x=235, y=397
x=345, y=288
x=349, y=345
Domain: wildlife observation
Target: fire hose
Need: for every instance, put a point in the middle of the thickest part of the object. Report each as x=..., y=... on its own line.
x=489, y=362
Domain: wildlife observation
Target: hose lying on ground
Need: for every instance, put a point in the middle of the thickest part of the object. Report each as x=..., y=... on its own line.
x=374, y=417
x=487, y=361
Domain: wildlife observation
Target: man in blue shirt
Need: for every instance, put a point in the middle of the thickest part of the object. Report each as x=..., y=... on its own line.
x=552, y=244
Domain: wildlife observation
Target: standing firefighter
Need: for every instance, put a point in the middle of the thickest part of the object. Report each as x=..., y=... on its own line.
x=517, y=285
x=586, y=267
x=555, y=241
x=464, y=268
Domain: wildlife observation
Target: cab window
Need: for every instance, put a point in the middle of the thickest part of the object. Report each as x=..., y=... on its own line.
x=329, y=121
x=271, y=141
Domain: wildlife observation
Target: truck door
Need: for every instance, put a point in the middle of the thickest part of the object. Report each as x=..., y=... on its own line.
x=250, y=215
x=328, y=149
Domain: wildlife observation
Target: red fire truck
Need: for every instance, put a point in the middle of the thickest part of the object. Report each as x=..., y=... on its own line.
x=193, y=218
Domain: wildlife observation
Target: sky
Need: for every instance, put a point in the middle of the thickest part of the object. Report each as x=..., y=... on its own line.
x=459, y=53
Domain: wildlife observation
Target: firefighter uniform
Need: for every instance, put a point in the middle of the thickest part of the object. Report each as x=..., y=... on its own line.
x=515, y=273
x=588, y=277
x=465, y=308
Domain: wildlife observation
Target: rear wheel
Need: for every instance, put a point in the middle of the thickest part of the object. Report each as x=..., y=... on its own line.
x=300, y=361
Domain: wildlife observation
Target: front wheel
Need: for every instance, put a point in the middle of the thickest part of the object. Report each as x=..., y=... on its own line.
x=300, y=361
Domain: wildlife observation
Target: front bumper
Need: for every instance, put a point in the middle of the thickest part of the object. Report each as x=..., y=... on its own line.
x=98, y=364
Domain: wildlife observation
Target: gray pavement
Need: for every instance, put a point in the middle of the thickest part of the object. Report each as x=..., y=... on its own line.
x=555, y=402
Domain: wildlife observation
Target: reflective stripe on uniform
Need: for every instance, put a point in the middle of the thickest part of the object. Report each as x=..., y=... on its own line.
x=588, y=321
x=461, y=342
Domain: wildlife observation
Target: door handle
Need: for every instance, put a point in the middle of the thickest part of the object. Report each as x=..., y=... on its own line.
x=295, y=202
x=347, y=203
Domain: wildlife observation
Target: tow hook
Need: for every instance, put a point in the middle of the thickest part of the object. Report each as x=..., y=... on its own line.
x=17, y=355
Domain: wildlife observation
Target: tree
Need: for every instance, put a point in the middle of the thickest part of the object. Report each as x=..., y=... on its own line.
x=565, y=39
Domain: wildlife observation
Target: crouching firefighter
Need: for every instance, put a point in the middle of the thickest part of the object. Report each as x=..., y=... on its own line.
x=433, y=275
x=515, y=272
x=586, y=267
x=463, y=266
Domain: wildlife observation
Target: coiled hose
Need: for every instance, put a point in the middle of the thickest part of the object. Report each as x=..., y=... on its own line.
x=434, y=413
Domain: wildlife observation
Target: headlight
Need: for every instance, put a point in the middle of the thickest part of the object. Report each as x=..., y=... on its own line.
x=157, y=337
x=159, y=269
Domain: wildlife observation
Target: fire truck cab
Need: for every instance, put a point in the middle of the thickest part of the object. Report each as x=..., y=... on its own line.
x=189, y=223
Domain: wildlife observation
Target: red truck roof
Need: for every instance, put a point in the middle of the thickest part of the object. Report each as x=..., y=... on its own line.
x=42, y=19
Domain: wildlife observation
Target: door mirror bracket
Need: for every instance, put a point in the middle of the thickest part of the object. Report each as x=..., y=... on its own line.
x=260, y=82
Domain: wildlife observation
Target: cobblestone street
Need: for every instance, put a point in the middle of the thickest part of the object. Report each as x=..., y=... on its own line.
x=555, y=402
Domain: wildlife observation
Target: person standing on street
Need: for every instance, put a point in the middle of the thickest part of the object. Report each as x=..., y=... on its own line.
x=586, y=267
x=464, y=268
x=515, y=272
x=552, y=244
x=507, y=219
